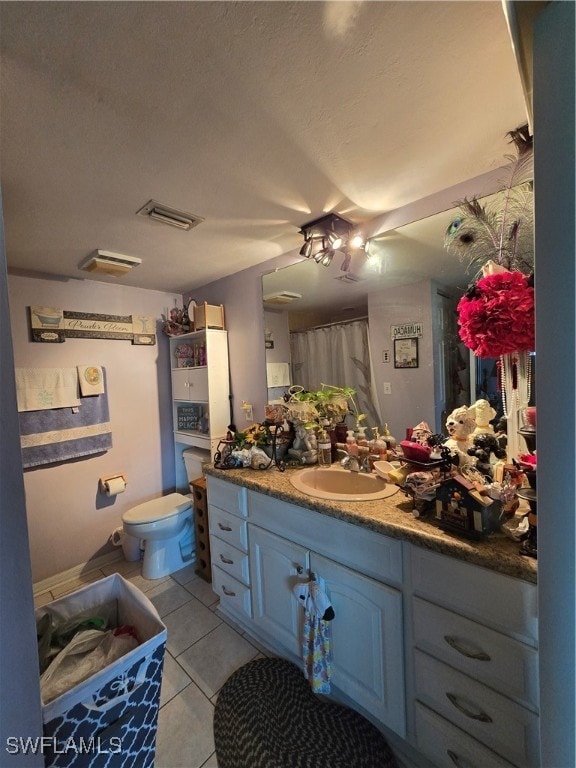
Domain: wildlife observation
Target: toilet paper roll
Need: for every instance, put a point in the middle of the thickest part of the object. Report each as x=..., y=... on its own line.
x=114, y=486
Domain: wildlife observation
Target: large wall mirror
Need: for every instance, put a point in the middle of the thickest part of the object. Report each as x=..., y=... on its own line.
x=346, y=328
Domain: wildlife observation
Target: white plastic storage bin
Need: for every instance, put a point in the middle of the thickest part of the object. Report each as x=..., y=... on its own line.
x=110, y=718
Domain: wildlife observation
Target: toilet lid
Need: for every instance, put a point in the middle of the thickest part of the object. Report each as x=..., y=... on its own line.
x=157, y=509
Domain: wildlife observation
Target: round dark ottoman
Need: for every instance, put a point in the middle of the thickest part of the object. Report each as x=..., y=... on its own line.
x=266, y=716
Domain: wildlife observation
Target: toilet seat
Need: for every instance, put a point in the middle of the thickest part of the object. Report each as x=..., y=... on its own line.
x=157, y=509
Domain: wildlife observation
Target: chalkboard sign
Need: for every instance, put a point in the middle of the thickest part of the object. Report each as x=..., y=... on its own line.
x=188, y=417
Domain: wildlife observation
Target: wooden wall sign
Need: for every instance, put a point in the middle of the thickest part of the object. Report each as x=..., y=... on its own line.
x=52, y=325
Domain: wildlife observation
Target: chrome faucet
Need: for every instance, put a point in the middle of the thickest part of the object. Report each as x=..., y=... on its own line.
x=356, y=463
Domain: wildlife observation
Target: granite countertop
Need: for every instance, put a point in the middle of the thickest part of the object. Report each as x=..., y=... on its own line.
x=391, y=517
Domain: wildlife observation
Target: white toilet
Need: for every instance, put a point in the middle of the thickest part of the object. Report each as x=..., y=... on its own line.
x=167, y=528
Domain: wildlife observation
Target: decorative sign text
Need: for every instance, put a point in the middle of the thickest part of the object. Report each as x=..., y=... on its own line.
x=406, y=331
x=53, y=325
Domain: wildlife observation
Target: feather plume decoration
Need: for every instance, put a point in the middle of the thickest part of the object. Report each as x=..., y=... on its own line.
x=501, y=229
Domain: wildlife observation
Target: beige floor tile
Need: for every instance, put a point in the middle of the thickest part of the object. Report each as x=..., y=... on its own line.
x=185, y=575
x=77, y=583
x=202, y=590
x=211, y=661
x=211, y=762
x=123, y=567
x=188, y=624
x=185, y=738
x=168, y=596
x=145, y=585
x=42, y=599
x=174, y=679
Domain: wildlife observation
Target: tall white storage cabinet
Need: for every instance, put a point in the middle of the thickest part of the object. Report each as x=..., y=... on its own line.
x=200, y=394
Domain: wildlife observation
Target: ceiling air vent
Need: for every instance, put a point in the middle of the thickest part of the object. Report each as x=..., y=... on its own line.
x=109, y=263
x=171, y=216
x=282, y=297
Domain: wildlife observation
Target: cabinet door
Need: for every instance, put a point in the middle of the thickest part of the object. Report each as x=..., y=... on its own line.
x=276, y=566
x=190, y=384
x=367, y=647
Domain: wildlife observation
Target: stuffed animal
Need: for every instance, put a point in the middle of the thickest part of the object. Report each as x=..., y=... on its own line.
x=460, y=425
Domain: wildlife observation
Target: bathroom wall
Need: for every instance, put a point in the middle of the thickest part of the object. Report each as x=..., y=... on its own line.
x=69, y=521
x=276, y=323
x=411, y=398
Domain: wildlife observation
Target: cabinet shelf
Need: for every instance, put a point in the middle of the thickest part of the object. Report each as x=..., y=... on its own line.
x=200, y=393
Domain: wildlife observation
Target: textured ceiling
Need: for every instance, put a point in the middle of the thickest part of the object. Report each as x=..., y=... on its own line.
x=256, y=116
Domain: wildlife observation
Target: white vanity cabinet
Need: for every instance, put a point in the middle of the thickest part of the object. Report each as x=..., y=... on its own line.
x=200, y=388
x=474, y=663
x=289, y=544
x=229, y=547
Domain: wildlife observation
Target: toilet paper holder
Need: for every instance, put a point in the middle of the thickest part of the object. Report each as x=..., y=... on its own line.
x=111, y=485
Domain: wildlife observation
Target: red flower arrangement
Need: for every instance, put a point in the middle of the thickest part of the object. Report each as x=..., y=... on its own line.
x=497, y=316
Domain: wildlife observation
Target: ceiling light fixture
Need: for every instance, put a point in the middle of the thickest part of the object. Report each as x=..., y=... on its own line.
x=109, y=263
x=325, y=236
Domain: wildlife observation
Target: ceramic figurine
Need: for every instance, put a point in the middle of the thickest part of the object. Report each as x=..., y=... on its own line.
x=460, y=425
x=484, y=413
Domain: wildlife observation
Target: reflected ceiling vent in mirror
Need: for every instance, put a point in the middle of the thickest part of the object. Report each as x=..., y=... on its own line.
x=282, y=297
x=109, y=263
x=349, y=277
x=170, y=216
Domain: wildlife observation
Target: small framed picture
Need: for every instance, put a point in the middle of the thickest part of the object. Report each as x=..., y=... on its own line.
x=406, y=353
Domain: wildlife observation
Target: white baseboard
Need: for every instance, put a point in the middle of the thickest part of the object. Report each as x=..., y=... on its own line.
x=78, y=570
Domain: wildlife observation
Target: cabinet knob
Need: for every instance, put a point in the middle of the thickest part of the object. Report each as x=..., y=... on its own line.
x=481, y=716
x=224, y=527
x=228, y=592
x=299, y=570
x=226, y=560
x=476, y=655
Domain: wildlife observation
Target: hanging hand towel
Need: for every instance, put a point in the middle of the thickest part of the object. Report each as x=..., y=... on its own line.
x=91, y=380
x=316, y=645
x=39, y=389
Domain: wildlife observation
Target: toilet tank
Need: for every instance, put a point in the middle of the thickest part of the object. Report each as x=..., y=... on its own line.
x=193, y=459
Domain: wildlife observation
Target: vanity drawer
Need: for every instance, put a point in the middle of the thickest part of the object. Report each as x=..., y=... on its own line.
x=363, y=550
x=449, y=747
x=233, y=595
x=227, y=496
x=493, y=599
x=228, y=527
x=230, y=559
x=497, y=722
x=504, y=664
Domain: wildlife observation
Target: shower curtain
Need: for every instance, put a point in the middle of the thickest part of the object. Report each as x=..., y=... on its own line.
x=339, y=355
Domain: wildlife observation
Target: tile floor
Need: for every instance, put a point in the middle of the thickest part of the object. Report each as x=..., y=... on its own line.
x=202, y=651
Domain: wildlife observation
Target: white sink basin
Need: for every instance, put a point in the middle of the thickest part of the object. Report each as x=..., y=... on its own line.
x=339, y=484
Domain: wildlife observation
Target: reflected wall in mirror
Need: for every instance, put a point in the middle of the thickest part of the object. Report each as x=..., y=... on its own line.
x=310, y=310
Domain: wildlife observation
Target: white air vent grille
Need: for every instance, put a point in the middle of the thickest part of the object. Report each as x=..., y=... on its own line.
x=282, y=297
x=170, y=216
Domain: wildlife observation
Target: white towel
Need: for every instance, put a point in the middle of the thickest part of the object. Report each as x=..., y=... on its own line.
x=39, y=389
x=91, y=380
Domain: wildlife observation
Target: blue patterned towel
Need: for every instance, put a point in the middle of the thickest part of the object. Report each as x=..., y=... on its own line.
x=60, y=434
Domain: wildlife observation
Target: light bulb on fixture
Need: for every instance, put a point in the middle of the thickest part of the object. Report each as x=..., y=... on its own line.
x=357, y=242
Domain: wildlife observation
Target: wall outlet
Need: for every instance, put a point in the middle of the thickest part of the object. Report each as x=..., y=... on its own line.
x=247, y=408
x=386, y=356
x=387, y=388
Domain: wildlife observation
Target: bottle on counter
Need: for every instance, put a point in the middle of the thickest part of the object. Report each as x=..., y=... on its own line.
x=351, y=444
x=324, y=449
x=378, y=446
x=361, y=438
x=389, y=439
